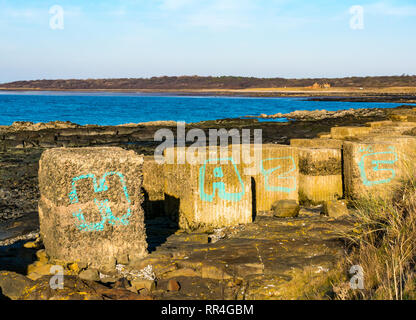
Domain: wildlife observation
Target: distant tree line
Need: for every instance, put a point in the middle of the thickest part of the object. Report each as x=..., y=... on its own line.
x=225, y=82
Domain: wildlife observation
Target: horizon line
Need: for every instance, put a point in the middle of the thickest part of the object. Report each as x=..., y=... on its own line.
x=211, y=76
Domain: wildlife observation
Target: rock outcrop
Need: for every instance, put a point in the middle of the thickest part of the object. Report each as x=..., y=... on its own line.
x=305, y=115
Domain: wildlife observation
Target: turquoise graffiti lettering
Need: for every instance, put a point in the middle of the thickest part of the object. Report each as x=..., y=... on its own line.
x=104, y=209
x=282, y=176
x=220, y=186
x=376, y=165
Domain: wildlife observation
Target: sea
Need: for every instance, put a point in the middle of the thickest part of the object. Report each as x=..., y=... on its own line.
x=107, y=108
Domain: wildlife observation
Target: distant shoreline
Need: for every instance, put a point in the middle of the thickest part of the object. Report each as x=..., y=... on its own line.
x=389, y=94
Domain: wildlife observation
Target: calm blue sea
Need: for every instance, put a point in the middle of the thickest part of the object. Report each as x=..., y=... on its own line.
x=116, y=108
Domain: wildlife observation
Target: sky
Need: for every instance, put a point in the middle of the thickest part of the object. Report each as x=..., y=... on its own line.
x=64, y=39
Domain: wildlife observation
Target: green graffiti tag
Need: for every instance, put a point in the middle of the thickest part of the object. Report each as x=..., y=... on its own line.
x=376, y=165
x=282, y=176
x=220, y=186
x=104, y=209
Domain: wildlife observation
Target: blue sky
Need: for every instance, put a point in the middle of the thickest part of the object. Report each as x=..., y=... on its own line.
x=262, y=38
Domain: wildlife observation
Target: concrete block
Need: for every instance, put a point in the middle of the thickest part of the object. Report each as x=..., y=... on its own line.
x=373, y=166
x=324, y=135
x=90, y=206
x=379, y=124
x=153, y=178
x=211, y=193
x=407, y=144
x=396, y=128
x=154, y=187
x=349, y=132
x=276, y=176
x=408, y=116
x=316, y=143
x=320, y=174
x=398, y=117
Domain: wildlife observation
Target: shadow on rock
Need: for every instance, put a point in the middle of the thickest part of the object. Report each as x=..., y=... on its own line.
x=158, y=231
x=16, y=257
x=3, y=297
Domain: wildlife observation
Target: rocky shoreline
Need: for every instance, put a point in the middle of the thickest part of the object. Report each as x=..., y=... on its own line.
x=318, y=115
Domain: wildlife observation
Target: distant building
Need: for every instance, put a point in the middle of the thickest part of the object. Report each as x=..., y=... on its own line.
x=317, y=85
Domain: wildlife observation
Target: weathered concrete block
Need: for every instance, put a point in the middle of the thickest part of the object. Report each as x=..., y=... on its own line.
x=374, y=165
x=398, y=117
x=277, y=176
x=324, y=135
x=407, y=143
x=211, y=193
x=349, y=132
x=387, y=127
x=320, y=174
x=403, y=117
x=379, y=124
x=90, y=206
x=316, y=143
x=154, y=187
x=153, y=179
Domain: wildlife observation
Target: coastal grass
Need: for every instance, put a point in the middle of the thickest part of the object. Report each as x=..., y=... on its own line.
x=383, y=244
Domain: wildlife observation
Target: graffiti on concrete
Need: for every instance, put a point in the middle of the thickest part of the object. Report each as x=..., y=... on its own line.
x=103, y=207
x=218, y=174
x=379, y=158
x=285, y=182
